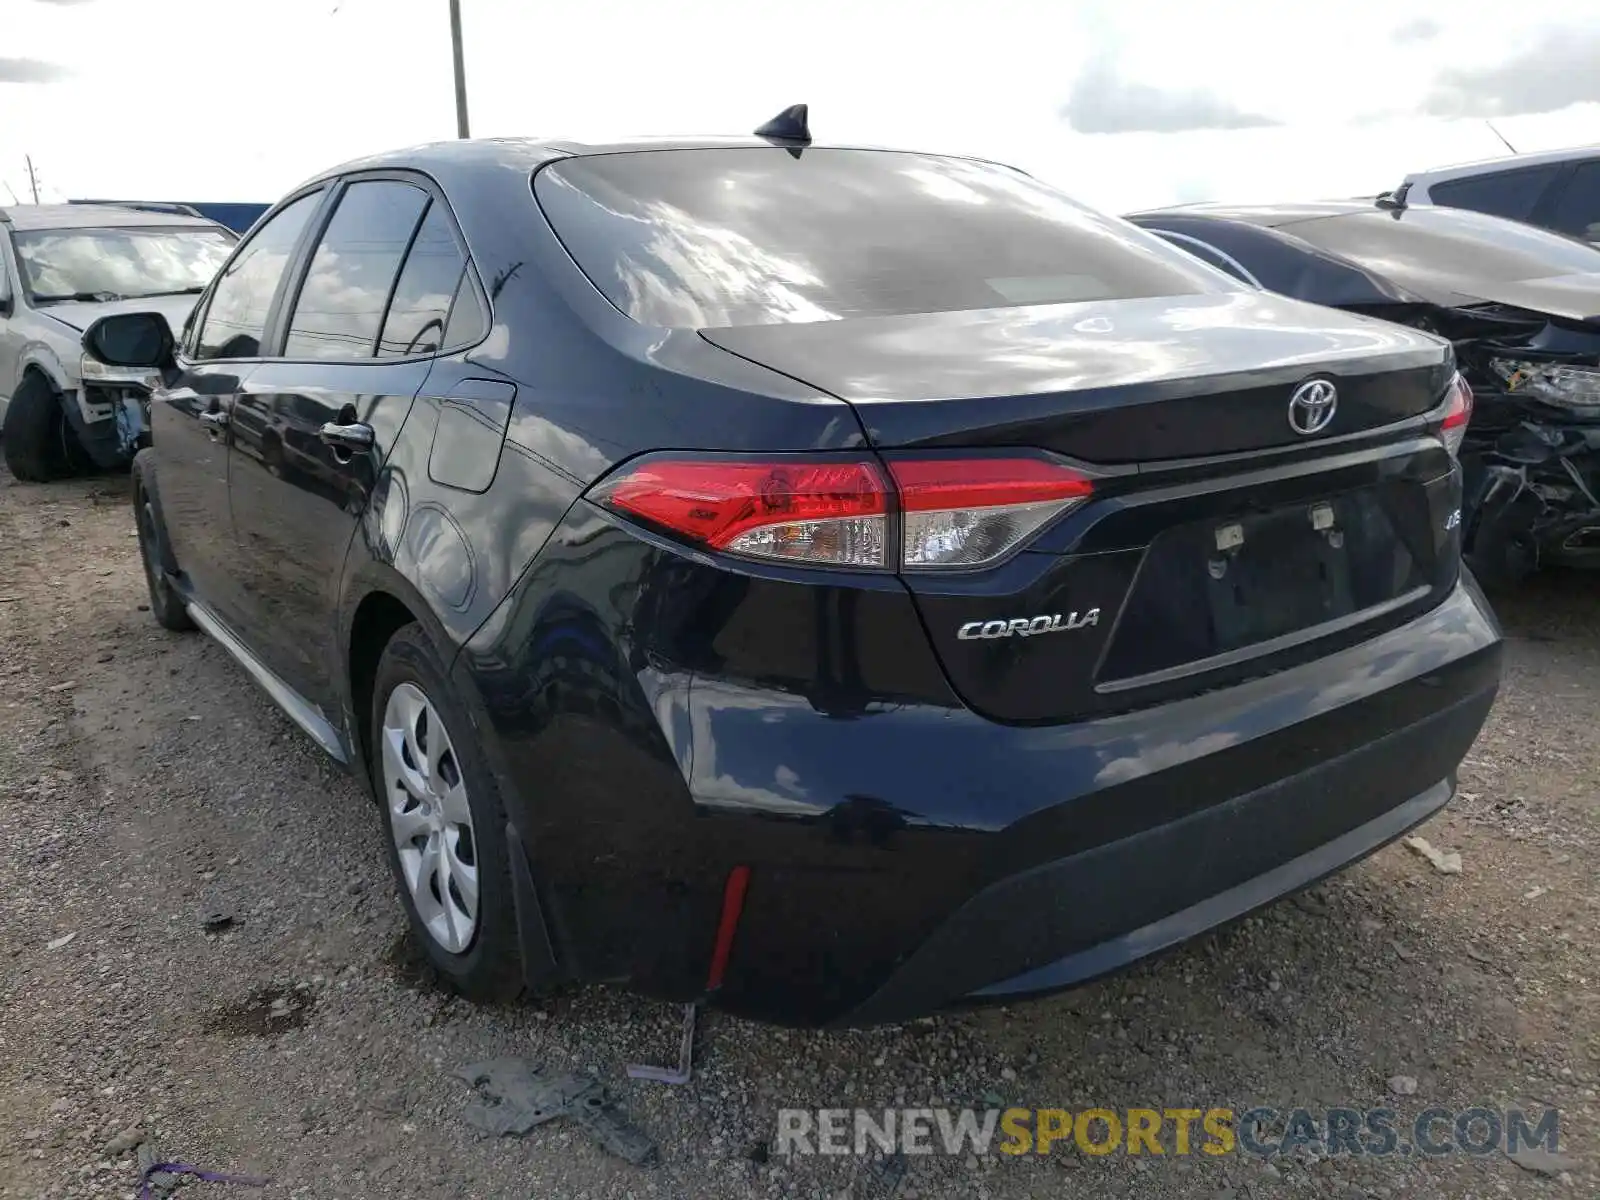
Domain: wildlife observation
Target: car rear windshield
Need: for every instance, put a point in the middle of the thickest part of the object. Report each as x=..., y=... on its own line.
x=118, y=264
x=705, y=238
x=1428, y=247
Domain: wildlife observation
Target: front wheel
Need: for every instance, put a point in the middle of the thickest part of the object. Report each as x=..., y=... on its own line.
x=40, y=445
x=166, y=605
x=445, y=822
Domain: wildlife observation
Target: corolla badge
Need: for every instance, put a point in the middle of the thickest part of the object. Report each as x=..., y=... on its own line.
x=1312, y=406
x=1028, y=626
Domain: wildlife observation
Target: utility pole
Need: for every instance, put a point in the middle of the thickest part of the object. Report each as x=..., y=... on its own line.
x=33, y=179
x=461, y=69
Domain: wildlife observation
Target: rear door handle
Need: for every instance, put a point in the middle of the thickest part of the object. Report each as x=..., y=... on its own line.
x=217, y=420
x=357, y=436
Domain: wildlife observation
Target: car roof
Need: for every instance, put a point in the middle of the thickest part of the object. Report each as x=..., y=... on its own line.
x=93, y=216
x=1272, y=216
x=459, y=161
x=1504, y=162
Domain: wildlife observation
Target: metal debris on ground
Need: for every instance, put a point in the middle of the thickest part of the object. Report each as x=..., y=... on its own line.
x=517, y=1096
x=685, y=1068
x=215, y=920
x=1444, y=863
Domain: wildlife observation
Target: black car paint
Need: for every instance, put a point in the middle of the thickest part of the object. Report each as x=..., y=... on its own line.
x=1517, y=447
x=656, y=715
x=1136, y=384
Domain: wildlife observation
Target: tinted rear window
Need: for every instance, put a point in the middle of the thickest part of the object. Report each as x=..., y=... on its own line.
x=1510, y=194
x=756, y=236
x=1448, y=249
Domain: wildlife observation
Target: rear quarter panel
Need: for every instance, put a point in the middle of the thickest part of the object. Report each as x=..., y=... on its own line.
x=591, y=389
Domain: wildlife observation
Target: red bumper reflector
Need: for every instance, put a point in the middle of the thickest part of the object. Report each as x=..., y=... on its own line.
x=732, y=905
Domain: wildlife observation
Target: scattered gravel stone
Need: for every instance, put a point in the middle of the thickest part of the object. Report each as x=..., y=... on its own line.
x=127, y=1140
x=1445, y=863
x=1541, y=1161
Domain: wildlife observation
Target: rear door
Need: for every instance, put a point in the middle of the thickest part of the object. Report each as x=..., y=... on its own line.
x=190, y=420
x=354, y=345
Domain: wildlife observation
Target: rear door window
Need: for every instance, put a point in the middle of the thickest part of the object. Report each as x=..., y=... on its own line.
x=469, y=315
x=1577, y=210
x=420, y=309
x=714, y=237
x=1512, y=194
x=342, y=301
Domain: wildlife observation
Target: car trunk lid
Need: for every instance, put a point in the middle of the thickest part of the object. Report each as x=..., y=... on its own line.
x=1115, y=382
x=1209, y=551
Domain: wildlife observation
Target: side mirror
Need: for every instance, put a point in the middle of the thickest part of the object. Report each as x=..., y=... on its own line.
x=131, y=340
x=5, y=306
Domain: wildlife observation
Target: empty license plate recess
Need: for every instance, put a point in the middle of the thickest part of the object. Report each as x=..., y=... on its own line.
x=1211, y=587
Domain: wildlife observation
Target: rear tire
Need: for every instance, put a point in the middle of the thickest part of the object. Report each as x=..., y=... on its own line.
x=40, y=445
x=166, y=605
x=445, y=823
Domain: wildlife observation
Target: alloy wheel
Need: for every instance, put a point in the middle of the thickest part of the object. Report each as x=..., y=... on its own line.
x=430, y=819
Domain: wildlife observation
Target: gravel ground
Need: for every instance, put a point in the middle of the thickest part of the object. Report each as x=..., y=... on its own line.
x=145, y=783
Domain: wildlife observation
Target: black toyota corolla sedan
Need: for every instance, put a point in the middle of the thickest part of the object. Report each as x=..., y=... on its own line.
x=831, y=583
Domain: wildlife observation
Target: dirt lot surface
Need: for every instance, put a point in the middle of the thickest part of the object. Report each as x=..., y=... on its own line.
x=146, y=785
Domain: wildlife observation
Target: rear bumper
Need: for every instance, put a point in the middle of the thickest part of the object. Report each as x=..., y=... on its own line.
x=1212, y=910
x=1112, y=906
x=913, y=859
x=908, y=855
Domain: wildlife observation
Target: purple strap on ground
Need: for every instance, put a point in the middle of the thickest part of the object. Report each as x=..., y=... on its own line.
x=155, y=1169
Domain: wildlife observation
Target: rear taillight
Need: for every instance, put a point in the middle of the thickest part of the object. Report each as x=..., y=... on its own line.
x=950, y=512
x=1457, y=414
x=831, y=513
x=964, y=512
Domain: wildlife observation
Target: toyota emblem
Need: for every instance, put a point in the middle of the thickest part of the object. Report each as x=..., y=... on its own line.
x=1312, y=406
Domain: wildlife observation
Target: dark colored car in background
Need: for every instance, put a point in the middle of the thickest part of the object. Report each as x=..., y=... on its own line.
x=1522, y=307
x=832, y=583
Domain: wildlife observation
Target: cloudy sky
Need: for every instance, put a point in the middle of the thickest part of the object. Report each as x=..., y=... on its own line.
x=1124, y=103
